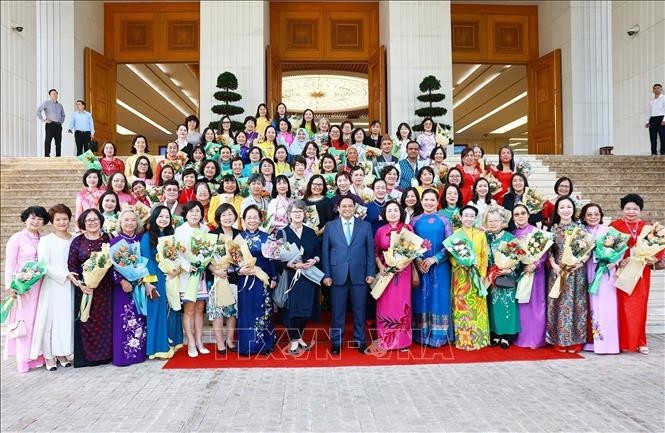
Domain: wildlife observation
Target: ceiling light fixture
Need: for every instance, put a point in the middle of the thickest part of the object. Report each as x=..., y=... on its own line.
x=142, y=116
x=491, y=78
x=179, y=85
x=470, y=72
x=156, y=88
x=491, y=113
x=512, y=125
x=124, y=131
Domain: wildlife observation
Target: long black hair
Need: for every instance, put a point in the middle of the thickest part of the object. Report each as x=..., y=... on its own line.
x=153, y=229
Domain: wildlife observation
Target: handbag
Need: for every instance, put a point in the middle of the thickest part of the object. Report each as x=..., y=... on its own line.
x=504, y=282
x=17, y=328
x=415, y=277
x=280, y=295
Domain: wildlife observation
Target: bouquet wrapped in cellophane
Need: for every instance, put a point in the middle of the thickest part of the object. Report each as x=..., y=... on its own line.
x=506, y=257
x=31, y=272
x=154, y=193
x=267, y=224
x=331, y=186
x=405, y=247
x=238, y=254
x=535, y=244
x=312, y=217
x=196, y=258
x=128, y=262
x=609, y=249
x=221, y=292
x=111, y=225
x=578, y=245
x=94, y=270
x=461, y=249
x=288, y=252
x=212, y=150
x=495, y=186
x=371, y=152
x=523, y=167
x=90, y=161
x=169, y=253
x=650, y=242
x=142, y=211
x=178, y=163
x=533, y=200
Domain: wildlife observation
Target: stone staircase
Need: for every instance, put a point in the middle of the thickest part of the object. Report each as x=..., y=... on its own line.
x=47, y=181
x=604, y=180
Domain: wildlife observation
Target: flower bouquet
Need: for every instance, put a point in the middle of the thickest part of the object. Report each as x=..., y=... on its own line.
x=331, y=186
x=212, y=150
x=244, y=187
x=23, y=280
x=238, y=254
x=523, y=167
x=456, y=221
x=178, y=163
x=506, y=256
x=610, y=248
x=288, y=252
x=360, y=211
x=578, y=245
x=650, y=242
x=267, y=224
x=339, y=155
x=90, y=161
x=495, y=186
x=177, y=220
x=111, y=225
x=128, y=262
x=221, y=292
x=154, y=193
x=461, y=249
x=397, y=147
x=536, y=245
x=142, y=211
x=197, y=257
x=169, y=253
x=312, y=217
x=94, y=270
x=443, y=136
x=405, y=247
x=533, y=200
x=371, y=152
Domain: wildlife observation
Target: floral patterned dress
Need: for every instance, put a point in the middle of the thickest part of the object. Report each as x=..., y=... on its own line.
x=567, y=314
x=129, y=327
x=503, y=310
x=470, y=315
x=255, y=325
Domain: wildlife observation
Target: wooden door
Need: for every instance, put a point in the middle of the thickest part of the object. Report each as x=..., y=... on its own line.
x=273, y=80
x=545, y=113
x=376, y=77
x=100, y=94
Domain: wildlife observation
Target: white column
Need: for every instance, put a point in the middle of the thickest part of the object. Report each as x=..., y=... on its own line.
x=233, y=35
x=591, y=29
x=418, y=43
x=55, y=65
x=639, y=63
x=18, y=80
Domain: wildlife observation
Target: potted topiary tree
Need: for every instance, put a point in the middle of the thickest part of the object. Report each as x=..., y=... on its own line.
x=429, y=86
x=227, y=82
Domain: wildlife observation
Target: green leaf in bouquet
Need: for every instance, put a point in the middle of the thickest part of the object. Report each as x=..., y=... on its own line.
x=90, y=161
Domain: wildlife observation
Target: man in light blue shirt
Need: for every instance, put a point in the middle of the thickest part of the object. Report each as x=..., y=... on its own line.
x=52, y=113
x=81, y=122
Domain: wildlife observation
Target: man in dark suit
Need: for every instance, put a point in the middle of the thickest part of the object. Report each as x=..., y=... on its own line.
x=348, y=263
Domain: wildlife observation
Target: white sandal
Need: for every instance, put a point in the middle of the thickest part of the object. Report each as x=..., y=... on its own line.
x=643, y=350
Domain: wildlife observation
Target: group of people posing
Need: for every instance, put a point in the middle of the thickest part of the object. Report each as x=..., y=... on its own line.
x=339, y=194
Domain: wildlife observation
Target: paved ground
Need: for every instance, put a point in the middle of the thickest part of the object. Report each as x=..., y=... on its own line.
x=600, y=393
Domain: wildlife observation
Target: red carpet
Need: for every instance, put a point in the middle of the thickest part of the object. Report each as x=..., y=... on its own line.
x=350, y=357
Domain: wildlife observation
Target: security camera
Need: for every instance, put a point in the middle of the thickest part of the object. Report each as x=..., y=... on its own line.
x=633, y=30
x=18, y=29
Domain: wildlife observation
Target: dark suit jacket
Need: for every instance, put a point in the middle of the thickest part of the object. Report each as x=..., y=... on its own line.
x=340, y=260
x=509, y=204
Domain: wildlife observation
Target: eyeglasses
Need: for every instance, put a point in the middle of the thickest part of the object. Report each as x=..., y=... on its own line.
x=96, y=220
x=226, y=122
x=317, y=184
x=520, y=214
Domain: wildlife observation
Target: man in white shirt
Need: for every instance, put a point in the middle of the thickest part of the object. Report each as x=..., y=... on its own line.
x=656, y=123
